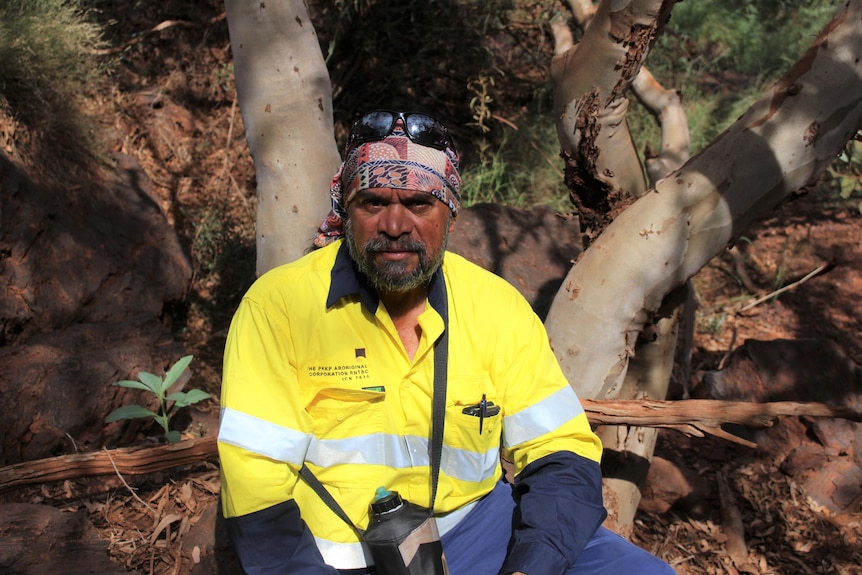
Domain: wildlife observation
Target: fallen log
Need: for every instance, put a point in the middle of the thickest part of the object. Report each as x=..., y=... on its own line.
x=693, y=417
x=123, y=461
x=700, y=417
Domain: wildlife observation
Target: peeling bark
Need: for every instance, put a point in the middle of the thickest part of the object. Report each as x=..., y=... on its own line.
x=689, y=217
x=591, y=81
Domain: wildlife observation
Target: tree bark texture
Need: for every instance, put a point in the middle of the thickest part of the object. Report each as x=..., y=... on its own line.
x=647, y=378
x=123, y=461
x=783, y=143
x=591, y=82
x=285, y=97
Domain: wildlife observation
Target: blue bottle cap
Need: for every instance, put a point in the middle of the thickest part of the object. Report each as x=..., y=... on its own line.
x=385, y=501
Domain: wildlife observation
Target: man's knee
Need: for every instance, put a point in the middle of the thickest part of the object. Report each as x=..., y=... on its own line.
x=608, y=553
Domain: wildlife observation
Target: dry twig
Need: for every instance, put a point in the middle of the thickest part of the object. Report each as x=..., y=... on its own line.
x=128, y=487
x=778, y=292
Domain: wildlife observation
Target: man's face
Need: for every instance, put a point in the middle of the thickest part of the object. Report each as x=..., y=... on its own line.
x=397, y=237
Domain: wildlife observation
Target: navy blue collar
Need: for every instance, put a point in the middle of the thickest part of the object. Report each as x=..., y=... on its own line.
x=347, y=280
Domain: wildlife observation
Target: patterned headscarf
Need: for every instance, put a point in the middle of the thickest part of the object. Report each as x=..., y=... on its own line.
x=394, y=162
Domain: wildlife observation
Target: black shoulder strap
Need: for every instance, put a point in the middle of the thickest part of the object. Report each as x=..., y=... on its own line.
x=438, y=405
x=438, y=413
x=327, y=497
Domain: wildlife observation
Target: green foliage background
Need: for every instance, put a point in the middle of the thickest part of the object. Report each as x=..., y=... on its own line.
x=47, y=64
x=481, y=66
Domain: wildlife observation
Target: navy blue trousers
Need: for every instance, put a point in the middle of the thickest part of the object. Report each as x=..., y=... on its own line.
x=477, y=545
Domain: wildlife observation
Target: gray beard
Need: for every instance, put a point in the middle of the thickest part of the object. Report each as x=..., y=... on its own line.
x=395, y=277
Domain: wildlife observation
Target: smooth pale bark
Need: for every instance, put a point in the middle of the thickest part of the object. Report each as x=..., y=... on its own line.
x=675, y=140
x=632, y=448
x=285, y=97
x=651, y=368
x=783, y=143
x=584, y=10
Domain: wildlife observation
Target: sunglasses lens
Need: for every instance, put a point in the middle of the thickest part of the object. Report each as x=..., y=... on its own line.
x=372, y=126
x=420, y=128
x=427, y=131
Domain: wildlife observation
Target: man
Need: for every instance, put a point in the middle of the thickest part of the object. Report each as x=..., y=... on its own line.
x=329, y=362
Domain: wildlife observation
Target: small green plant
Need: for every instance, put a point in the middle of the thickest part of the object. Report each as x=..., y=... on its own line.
x=844, y=177
x=711, y=324
x=168, y=404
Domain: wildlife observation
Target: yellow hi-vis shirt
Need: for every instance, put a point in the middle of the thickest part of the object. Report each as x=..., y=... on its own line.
x=330, y=384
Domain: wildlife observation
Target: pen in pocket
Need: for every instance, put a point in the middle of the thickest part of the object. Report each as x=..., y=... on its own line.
x=482, y=410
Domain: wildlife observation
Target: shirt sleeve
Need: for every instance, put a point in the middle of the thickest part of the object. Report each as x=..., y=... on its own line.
x=558, y=510
x=276, y=541
x=547, y=436
x=263, y=438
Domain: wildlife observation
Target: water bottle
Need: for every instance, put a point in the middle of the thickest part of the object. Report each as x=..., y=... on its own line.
x=402, y=537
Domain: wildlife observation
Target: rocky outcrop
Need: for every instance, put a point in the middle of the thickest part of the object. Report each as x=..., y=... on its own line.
x=86, y=272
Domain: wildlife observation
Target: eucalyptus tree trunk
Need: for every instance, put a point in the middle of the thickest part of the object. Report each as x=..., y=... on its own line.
x=782, y=144
x=604, y=174
x=285, y=98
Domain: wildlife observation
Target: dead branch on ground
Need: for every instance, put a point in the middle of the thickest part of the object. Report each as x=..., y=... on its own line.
x=692, y=416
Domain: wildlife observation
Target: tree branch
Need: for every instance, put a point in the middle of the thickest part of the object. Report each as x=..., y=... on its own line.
x=693, y=417
x=128, y=461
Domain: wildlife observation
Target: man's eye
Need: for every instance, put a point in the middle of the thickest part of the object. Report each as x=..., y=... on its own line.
x=419, y=206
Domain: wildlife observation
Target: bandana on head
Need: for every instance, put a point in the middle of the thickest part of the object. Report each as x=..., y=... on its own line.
x=394, y=162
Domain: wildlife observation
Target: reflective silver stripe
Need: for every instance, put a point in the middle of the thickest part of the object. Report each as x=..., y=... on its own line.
x=446, y=523
x=400, y=452
x=469, y=465
x=342, y=555
x=262, y=437
x=540, y=418
x=396, y=451
x=352, y=555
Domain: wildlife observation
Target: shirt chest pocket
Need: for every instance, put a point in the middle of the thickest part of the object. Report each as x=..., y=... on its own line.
x=473, y=412
x=343, y=412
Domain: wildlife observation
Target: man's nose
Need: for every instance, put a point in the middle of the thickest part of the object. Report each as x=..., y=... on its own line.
x=395, y=221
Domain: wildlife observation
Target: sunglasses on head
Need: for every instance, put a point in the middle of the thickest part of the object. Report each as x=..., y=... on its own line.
x=420, y=128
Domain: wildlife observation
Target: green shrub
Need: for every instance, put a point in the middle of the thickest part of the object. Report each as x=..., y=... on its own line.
x=843, y=179
x=47, y=63
x=722, y=54
x=753, y=37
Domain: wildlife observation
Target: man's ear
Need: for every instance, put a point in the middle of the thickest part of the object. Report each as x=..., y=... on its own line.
x=452, y=222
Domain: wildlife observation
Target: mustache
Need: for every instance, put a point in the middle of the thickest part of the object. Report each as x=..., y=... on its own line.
x=403, y=244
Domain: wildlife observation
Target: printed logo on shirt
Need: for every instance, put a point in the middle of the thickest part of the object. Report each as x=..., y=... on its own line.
x=344, y=372
x=360, y=352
